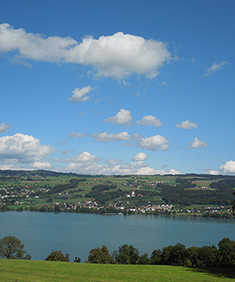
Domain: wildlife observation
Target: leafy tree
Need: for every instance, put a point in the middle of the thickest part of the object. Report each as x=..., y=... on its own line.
x=175, y=255
x=127, y=254
x=226, y=252
x=194, y=256
x=12, y=248
x=58, y=256
x=100, y=255
x=156, y=257
x=233, y=206
x=144, y=259
x=207, y=256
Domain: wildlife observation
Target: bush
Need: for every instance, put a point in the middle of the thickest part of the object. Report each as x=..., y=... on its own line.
x=58, y=256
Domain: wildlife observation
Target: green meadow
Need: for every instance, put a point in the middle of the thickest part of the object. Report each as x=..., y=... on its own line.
x=37, y=271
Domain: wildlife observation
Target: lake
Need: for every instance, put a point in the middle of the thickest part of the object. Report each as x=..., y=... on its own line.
x=77, y=234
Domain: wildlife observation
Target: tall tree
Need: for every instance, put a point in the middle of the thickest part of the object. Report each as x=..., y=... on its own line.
x=226, y=252
x=100, y=255
x=12, y=248
x=233, y=206
x=127, y=254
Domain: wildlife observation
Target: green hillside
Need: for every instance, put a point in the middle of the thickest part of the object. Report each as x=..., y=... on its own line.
x=35, y=271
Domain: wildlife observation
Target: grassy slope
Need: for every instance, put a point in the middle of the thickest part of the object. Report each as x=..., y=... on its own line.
x=35, y=271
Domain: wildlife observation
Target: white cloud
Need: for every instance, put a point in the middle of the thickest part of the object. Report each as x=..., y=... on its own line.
x=140, y=157
x=80, y=95
x=152, y=171
x=198, y=143
x=215, y=67
x=94, y=166
x=84, y=157
x=3, y=127
x=154, y=143
x=41, y=165
x=228, y=167
x=146, y=171
x=173, y=171
x=149, y=120
x=24, y=148
x=123, y=117
x=117, y=55
x=164, y=83
x=186, y=124
x=105, y=137
x=213, y=172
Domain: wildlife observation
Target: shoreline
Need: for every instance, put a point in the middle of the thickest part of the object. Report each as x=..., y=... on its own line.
x=176, y=215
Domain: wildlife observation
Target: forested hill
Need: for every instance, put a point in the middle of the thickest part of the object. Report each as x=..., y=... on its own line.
x=41, y=173
x=47, y=173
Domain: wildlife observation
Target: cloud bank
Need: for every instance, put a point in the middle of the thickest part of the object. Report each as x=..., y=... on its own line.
x=87, y=163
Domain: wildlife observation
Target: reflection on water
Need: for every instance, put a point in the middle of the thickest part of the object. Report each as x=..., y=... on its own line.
x=79, y=233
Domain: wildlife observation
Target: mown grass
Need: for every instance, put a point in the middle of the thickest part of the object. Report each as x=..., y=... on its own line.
x=37, y=271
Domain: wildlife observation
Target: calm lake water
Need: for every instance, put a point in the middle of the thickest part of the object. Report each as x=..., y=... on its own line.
x=77, y=234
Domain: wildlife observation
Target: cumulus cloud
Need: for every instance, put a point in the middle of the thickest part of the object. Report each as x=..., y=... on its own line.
x=117, y=55
x=23, y=147
x=140, y=157
x=197, y=143
x=215, y=67
x=84, y=157
x=149, y=120
x=186, y=124
x=105, y=137
x=80, y=95
x=123, y=117
x=154, y=143
x=41, y=165
x=228, y=167
x=3, y=127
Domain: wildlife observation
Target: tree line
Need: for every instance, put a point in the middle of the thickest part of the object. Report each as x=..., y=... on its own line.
x=177, y=255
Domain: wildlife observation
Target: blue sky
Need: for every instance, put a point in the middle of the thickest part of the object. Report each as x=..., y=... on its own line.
x=129, y=87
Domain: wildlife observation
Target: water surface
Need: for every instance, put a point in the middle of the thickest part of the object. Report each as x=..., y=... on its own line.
x=77, y=234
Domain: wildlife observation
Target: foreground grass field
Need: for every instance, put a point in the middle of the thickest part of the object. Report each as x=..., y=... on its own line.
x=35, y=271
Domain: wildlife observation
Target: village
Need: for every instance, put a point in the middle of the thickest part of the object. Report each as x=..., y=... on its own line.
x=24, y=198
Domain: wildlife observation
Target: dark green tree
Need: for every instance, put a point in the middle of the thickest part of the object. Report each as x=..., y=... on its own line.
x=207, y=256
x=100, y=255
x=127, y=254
x=58, y=256
x=12, y=248
x=156, y=257
x=175, y=255
x=194, y=256
x=233, y=206
x=143, y=259
x=226, y=252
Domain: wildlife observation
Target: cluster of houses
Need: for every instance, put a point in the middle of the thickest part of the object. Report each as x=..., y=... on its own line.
x=18, y=196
